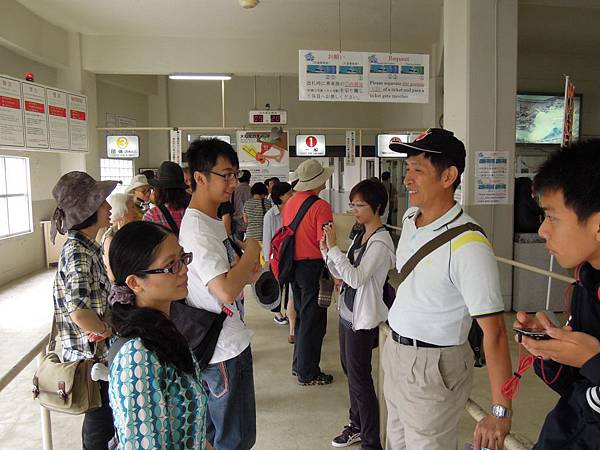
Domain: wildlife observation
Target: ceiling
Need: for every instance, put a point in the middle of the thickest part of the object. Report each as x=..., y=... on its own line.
x=271, y=19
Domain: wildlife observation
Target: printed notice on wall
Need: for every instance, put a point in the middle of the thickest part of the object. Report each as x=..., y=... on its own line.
x=264, y=153
x=78, y=122
x=11, y=114
x=58, y=125
x=491, y=178
x=363, y=77
x=36, y=125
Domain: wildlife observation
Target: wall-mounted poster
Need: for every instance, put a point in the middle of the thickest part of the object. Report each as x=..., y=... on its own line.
x=11, y=114
x=264, y=153
x=491, y=178
x=58, y=124
x=36, y=123
x=330, y=75
x=78, y=122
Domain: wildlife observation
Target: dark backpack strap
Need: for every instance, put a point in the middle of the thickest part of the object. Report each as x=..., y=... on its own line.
x=169, y=219
x=114, y=349
x=433, y=245
x=302, y=211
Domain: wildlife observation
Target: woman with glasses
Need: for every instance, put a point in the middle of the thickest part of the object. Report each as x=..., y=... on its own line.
x=155, y=388
x=363, y=272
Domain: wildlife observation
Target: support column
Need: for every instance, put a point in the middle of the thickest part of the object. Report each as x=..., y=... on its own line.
x=480, y=84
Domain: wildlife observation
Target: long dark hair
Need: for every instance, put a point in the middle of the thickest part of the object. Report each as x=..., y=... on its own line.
x=177, y=198
x=133, y=249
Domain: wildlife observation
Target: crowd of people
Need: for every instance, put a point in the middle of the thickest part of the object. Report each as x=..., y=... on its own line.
x=135, y=286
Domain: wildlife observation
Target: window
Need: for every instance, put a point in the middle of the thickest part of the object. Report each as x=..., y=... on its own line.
x=15, y=197
x=118, y=170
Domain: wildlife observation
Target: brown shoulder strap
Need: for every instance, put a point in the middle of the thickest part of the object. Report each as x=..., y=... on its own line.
x=434, y=244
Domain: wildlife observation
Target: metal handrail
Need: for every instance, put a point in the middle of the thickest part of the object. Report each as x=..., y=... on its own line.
x=39, y=351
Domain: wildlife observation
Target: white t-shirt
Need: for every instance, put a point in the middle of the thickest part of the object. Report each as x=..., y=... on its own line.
x=213, y=254
x=456, y=282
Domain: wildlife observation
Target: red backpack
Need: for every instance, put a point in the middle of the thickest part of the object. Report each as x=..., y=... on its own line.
x=283, y=244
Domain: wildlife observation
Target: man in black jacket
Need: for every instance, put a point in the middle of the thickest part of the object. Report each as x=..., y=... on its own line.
x=568, y=186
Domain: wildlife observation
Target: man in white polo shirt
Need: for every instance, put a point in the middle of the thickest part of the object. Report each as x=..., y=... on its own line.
x=428, y=362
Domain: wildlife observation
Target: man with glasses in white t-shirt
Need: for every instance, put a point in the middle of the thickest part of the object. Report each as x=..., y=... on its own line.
x=216, y=278
x=428, y=362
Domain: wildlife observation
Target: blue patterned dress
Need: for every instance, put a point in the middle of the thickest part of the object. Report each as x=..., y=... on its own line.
x=155, y=407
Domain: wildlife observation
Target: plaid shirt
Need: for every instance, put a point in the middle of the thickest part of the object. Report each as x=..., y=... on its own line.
x=81, y=283
x=155, y=215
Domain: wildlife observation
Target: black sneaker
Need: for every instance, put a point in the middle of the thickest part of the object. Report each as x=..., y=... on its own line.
x=320, y=380
x=348, y=437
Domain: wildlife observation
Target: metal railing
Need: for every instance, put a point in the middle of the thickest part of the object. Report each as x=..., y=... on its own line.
x=39, y=351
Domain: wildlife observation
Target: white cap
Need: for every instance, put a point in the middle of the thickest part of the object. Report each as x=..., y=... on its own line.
x=137, y=182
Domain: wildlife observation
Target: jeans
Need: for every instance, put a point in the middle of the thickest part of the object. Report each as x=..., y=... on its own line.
x=311, y=319
x=356, y=349
x=98, y=429
x=231, y=414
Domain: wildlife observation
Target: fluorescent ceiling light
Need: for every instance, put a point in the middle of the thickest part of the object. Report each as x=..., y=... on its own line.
x=200, y=76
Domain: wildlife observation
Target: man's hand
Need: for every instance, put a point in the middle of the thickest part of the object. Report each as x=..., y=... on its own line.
x=540, y=322
x=566, y=346
x=490, y=433
x=251, y=246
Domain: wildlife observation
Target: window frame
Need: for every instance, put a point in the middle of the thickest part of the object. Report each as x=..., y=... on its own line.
x=121, y=186
x=27, y=195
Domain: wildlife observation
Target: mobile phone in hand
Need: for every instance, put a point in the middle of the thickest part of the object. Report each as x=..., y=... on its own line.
x=540, y=335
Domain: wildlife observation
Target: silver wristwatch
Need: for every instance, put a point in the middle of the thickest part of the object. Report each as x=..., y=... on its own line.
x=502, y=412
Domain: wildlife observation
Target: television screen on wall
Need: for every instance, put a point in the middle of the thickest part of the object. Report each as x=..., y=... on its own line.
x=540, y=118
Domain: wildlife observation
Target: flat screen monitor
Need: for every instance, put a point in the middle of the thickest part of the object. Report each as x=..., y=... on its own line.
x=540, y=118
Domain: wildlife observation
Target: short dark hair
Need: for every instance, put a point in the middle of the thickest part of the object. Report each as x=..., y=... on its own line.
x=245, y=176
x=177, y=198
x=259, y=188
x=373, y=192
x=279, y=190
x=385, y=176
x=90, y=221
x=439, y=162
x=149, y=174
x=202, y=156
x=132, y=250
x=574, y=172
x=274, y=180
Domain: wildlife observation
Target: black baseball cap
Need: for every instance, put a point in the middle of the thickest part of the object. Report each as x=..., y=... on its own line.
x=438, y=141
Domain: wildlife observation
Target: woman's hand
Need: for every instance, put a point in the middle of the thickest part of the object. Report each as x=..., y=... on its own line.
x=329, y=233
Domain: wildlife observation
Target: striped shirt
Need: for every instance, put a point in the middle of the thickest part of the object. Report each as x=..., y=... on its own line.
x=155, y=215
x=81, y=283
x=255, y=210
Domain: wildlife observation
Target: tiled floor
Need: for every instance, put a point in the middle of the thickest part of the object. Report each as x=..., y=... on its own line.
x=289, y=416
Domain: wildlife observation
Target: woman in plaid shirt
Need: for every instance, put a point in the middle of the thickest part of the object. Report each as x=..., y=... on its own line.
x=81, y=286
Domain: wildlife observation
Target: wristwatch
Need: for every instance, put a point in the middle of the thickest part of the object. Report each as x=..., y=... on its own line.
x=502, y=412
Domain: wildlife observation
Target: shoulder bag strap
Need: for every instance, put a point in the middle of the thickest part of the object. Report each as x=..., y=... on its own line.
x=53, y=334
x=169, y=219
x=114, y=349
x=434, y=244
x=303, y=210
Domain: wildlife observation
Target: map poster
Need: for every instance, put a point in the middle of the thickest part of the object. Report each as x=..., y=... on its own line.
x=58, y=125
x=36, y=124
x=491, y=178
x=11, y=114
x=264, y=153
x=329, y=75
x=78, y=122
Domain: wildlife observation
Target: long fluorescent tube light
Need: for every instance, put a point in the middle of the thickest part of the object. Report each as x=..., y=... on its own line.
x=200, y=76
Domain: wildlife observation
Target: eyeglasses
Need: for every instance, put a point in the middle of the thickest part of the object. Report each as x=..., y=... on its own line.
x=227, y=176
x=357, y=205
x=174, y=268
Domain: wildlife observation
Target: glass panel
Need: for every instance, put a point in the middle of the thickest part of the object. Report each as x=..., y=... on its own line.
x=3, y=218
x=19, y=221
x=2, y=178
x=16, y=175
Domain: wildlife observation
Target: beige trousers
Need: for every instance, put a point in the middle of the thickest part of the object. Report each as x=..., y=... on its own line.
x=426, y=390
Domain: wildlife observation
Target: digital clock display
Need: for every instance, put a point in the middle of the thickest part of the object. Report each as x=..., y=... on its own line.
x=275, y=118
x=258, y=118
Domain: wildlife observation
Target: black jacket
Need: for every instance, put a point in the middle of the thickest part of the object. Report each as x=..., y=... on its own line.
x=574, y=423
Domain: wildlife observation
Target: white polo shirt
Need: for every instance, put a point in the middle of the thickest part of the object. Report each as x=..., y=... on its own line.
x=456, y=282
